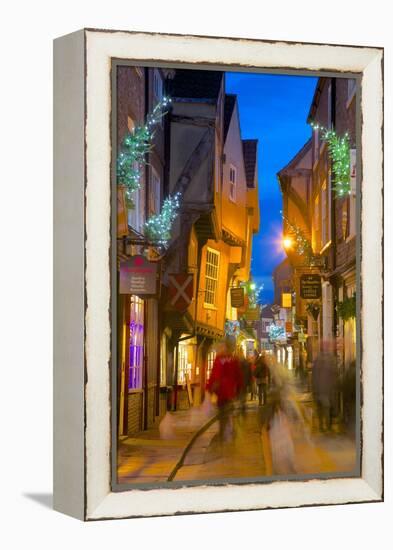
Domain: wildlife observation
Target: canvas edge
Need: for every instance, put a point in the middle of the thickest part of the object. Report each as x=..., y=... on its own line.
x=68, y=274
x=101, y=503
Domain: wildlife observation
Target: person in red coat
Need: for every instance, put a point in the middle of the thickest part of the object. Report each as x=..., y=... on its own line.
x=226, y=382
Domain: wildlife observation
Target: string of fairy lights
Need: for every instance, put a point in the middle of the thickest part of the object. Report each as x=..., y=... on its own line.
x=131, y=161
x=340, y=156
x=158, y=226
x=299, y=242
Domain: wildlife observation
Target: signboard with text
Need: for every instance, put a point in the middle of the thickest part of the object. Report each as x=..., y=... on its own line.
x=310, y=287
x=237, y=297
x=252, y=314
x=138, y=276
x=286, y=299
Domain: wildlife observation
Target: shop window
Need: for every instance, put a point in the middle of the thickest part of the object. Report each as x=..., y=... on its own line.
x=184, y=370
x=211, y=276
x=136, y=343
x=163, y=360
x=210, y=361
x=232, y=183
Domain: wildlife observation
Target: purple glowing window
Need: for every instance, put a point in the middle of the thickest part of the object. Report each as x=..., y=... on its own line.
x=136, y=344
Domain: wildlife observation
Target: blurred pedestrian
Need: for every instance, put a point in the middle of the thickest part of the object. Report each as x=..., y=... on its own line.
x=324, y=379
x=226, y=382
x=276, y=434
x=252, y=358
x=261, y=374
x=246, y=376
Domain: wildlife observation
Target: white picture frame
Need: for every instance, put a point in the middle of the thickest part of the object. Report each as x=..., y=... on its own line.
x=82, y=333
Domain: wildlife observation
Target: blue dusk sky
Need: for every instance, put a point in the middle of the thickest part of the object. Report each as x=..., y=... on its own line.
x=273, y=109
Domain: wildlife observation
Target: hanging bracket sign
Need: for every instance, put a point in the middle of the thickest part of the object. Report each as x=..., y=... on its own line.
x=138, y=276
x=310, y=287
x=237, y=296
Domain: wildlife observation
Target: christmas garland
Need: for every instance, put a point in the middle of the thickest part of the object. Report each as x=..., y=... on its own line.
x=302, y=245
x=347, y=308
x=134, y=148
x=340, y=154
x=158, y=227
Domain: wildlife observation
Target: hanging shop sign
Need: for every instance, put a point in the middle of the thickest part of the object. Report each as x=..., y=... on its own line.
x=310, y=287
x=286, y=298
x=237, y=297
x=252, y=314
x=288, y=327
x=181, y=290
x=138, y=276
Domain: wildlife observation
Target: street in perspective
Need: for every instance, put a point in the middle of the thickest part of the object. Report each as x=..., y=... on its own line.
x=235, y=266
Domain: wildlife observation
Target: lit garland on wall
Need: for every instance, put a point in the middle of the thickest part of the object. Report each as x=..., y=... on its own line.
x=347, y=308
x=158, y=227
x=133, y=150
x=276, y=332
x=232, y=328
x=340, y=153
x=301, y=244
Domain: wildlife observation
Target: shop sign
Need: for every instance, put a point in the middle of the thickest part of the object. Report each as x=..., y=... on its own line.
x=252, y=314
x=310, y=287
x=286, y=298
x=138, y=276
x=181, y=290
x=318, y=261
x=288, y=326
x=237, y=297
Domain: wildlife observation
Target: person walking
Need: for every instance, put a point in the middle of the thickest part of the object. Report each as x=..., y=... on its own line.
x=245, y=368
x=252, y=358
x=226, y=382
x=324, y=378
x=261, y=374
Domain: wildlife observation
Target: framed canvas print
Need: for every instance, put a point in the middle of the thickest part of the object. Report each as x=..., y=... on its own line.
x=218, y=274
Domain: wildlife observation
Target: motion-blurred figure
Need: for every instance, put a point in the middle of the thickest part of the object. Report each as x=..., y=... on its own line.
x=324, y=378
x=262, y=376
x=226, y=382
x=252, y=358
x=245, y=368
x=280, y=437
x=348, y=389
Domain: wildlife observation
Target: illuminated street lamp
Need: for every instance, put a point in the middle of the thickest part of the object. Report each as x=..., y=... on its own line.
x=287, y=243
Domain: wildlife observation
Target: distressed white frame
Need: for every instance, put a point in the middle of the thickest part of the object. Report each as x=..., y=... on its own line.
x=92, y=498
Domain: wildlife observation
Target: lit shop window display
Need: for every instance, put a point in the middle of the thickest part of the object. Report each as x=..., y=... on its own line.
x=136, y=343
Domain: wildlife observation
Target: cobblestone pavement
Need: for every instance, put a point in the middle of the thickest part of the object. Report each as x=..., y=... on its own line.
x=146, y=458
